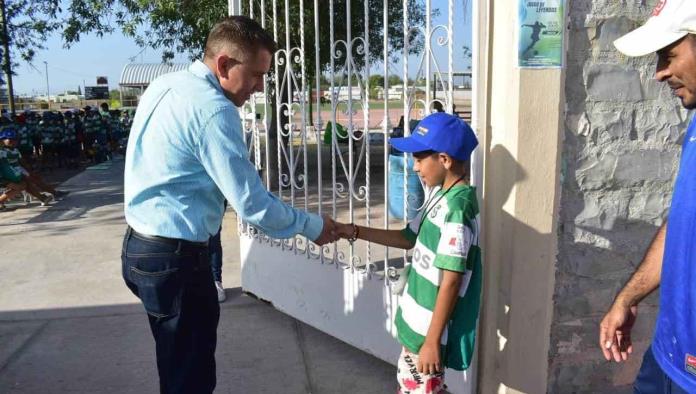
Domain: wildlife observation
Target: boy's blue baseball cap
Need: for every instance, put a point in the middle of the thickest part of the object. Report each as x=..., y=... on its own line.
x=8, y=134
x=440, y=132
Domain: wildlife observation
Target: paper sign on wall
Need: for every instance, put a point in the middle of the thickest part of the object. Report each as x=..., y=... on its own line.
x=540, y=33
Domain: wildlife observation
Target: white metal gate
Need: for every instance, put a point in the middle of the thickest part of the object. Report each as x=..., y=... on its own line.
x=343, y=288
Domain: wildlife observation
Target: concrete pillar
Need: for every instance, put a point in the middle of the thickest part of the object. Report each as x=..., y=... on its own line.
x=519, y=117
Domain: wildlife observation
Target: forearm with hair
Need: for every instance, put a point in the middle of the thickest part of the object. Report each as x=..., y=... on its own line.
x=647, y=276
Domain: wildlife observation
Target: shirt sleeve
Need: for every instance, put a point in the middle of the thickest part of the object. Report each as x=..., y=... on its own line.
x=456, y=238
x=410, y=232
x=223, y=154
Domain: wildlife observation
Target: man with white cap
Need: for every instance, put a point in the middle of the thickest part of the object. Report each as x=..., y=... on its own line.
x=669, y=365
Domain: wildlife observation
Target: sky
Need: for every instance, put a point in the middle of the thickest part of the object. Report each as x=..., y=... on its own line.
x=106, y=56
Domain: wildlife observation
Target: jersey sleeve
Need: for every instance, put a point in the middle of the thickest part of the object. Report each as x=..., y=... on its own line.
x=456, y=238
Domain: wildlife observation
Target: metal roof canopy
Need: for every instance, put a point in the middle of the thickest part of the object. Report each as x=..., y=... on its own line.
x=141, y=74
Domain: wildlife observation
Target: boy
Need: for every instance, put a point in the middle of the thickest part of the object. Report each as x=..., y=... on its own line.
x=48, y=141
x=26, y=148
x=438, y=309
x=71, y=145
x=35, y=185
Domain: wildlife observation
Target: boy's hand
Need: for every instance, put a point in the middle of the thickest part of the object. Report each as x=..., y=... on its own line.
x=429, y=358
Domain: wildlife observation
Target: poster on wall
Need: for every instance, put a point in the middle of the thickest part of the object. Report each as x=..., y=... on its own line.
x=540, y=33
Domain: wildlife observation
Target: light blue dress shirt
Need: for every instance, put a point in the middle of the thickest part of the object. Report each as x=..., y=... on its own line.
x=186, y=154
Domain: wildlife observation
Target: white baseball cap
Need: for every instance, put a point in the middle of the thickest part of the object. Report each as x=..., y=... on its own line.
x=670, y=21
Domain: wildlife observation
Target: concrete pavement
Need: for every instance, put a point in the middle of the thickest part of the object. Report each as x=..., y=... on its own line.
x=69, y=325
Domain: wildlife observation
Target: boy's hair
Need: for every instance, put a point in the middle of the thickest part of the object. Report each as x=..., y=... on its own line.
x=426, y=153
x=242, y=36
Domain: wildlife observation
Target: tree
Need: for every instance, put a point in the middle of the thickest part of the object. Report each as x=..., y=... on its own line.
x=376, y=81
x=181, y=26
x=395, y=80
x=25, y=26
x=79, y=90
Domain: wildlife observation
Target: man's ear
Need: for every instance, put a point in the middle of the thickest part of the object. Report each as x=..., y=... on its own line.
x=224, y=63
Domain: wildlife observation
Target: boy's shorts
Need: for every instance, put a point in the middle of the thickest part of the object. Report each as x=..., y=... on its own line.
x=413, y=382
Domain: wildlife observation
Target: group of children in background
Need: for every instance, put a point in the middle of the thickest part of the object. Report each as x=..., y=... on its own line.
x=31, y=143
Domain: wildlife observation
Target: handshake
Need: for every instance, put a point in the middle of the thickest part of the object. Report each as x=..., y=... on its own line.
x=333, y=231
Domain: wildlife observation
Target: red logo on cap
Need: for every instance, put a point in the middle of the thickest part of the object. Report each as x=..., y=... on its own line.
x=658, y=8
x=690, y=360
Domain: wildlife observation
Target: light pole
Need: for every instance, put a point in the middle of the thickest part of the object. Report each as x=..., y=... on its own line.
x=48, y=94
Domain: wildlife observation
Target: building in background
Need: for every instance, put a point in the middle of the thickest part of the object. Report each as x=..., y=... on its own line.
x=136, y=77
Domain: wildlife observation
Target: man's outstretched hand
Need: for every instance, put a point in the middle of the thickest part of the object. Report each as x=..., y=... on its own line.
x=328, y=233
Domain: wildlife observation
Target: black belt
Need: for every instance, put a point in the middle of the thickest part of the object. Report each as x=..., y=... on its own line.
x=168, y=241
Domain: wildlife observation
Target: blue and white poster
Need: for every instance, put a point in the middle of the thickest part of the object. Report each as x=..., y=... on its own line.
x=540, y=32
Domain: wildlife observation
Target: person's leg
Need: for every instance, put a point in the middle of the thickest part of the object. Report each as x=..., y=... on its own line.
x=13, y=189
x=35, y=191
x=36, y=179
x=176, y=288
x=201, y=304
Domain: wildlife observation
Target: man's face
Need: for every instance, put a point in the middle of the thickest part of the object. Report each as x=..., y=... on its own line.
x=239, y=80
x=676, y=65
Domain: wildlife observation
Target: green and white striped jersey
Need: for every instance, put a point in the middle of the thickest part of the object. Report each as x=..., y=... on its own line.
x=12, y=155
x=448, y=240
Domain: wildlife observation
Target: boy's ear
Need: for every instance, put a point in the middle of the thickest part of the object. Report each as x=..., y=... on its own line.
x=446, y=160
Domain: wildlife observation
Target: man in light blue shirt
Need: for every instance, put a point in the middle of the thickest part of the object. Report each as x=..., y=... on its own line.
x=185, y=155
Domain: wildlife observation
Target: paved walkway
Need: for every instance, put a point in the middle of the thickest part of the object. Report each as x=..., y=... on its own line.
x=69, y=325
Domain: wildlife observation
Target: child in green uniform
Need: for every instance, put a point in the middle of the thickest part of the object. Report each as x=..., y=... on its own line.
x=92, y=126
x=48, y=143
x=115, y=127
x=32, y=129
x=25, y=145
x=100, y=127
x=12, y=170
x=438, y=308
x=70, y=143
x=59, y=139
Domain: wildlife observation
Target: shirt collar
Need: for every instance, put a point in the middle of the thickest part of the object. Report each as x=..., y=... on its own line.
x=201, y=70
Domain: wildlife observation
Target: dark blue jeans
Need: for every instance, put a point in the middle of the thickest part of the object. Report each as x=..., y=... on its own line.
x=651, y=379
x=174, y=283
x=215, y=247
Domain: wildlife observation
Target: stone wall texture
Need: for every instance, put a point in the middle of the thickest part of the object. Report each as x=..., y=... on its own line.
x=621, y=149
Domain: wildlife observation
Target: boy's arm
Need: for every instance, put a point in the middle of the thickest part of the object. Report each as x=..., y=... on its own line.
x=393, y=238
x=429, y=356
